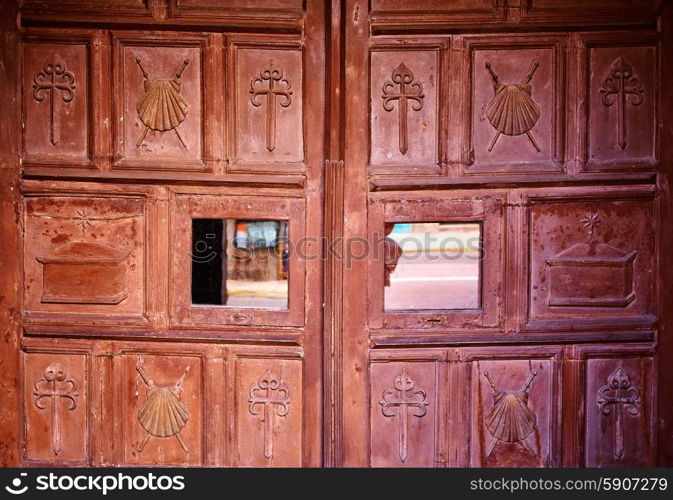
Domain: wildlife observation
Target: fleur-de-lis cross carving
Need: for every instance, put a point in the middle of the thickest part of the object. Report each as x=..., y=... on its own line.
x=274, y=398
x=403, y=396
x=52, y=387
x=54, y=82
x=402, y=89
x=618, y=395
x=616, y=87
x=270, y=83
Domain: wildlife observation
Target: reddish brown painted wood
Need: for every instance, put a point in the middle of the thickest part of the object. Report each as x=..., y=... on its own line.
x=10, y=293
x=665, y=293
x=345, y=148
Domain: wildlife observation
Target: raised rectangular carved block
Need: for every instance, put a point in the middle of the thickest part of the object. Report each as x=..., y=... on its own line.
x=591, y=259
x=55, y=407
x=621, y=94
x=586, y=275
x=84, y=255
x=56, y=95
x=81, y=273
x=159, y=400
x=516, y=115
x=405, y=109
x=267, y=99
x=268, y=411
x=159, y=93
x=404, y=412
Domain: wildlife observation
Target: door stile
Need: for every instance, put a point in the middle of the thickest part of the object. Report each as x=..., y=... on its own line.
x=665, y=278
x=10, y=289
x=355, y=335
x=332, y=245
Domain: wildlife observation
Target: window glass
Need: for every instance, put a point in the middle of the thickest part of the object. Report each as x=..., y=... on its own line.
x=240, y=263
x=432, y=265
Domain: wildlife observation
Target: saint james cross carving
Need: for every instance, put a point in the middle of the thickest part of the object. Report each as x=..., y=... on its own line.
x=403, y=396
x=274, y=397
x=620, y=83
x=54, y=83
x=617, y=397
x=50, y=389
x=402, y=89
x=270, y=83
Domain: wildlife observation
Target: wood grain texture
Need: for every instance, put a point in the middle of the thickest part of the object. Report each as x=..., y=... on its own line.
x=10, y=289
x=543, y=121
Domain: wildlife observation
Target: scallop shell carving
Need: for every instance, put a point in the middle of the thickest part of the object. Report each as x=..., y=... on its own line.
x=512, y=111
x=163, y=414
x=510, y=420
x=162, y=107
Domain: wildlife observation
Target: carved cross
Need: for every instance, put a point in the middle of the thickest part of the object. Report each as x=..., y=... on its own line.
x=620, y=83
x=83, y=219
x=55, y=385
x=53, y=82
x=403, y=396
x=270, y=83
x=618, y=395
x=273, y=396
x=407, y=90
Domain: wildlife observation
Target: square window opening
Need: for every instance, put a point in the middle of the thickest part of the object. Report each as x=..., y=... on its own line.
x=432, y=266
x=240, y=263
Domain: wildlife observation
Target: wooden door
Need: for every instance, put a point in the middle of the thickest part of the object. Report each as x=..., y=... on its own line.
x=511, y=191
x=360, y=233
x=170, y=212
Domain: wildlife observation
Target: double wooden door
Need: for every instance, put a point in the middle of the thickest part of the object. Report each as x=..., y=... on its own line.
x=360, y=233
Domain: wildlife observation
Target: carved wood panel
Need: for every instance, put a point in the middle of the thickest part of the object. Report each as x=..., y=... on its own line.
x=159, y=407
x=591, y=259
x=96, y=7
x=278, y=9
x=406, y=108
x=517, y=113
x=268, y=409
x=621, y=92
x=573, y=10
x=515, y=415
x=159, y=120
x=618, y=404
x=267, y=95
x=84, y=258
x=57, y=99
x=402, y=15
x=406, y=417
x=56, y=410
